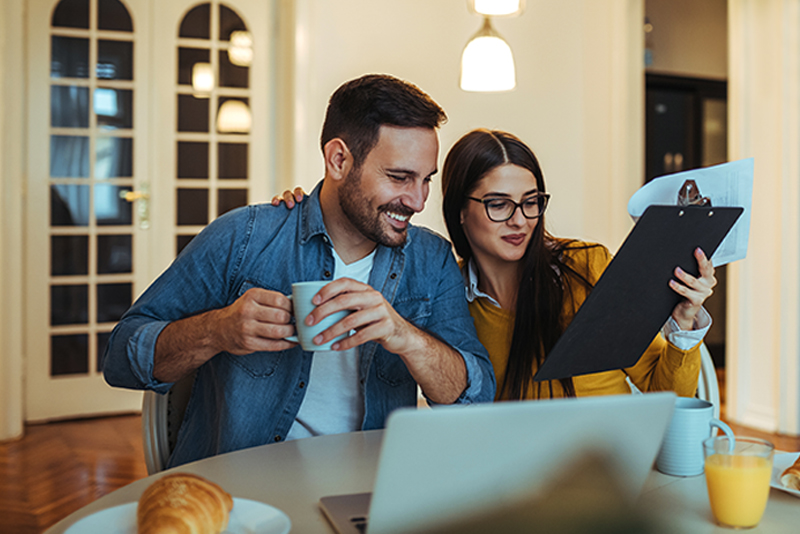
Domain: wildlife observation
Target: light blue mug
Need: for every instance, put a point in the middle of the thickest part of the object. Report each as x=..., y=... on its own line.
x=302, y=293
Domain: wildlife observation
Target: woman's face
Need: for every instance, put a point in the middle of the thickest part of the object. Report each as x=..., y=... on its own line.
x=504, y=241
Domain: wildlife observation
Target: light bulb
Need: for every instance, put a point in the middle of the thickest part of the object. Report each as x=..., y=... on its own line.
x=202, y=79
x=234, y=117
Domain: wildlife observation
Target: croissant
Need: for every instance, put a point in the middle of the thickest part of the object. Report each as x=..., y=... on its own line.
x=791, y=476
x=183, y=504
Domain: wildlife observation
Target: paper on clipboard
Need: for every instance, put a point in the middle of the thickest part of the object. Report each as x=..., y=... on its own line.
x=726, y=185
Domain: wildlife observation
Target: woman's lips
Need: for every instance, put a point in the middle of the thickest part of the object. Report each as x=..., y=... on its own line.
x=514, y=239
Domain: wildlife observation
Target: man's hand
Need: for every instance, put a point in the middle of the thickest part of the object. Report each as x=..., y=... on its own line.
x=694, y=290
x=257, y=321
x=438, y=368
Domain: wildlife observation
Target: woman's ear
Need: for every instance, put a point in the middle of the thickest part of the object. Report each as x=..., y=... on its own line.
x=338, y=159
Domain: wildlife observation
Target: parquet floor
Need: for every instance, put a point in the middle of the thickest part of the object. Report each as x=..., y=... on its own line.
x=58, y=468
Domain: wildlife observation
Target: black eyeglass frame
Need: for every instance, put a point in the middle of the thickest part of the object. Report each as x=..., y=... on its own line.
x=542, y=198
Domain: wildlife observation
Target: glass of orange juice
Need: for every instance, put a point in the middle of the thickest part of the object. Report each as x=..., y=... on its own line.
x=738, y=479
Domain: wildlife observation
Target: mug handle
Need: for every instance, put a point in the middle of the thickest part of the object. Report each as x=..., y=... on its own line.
x=293, y=339
x=714, y=422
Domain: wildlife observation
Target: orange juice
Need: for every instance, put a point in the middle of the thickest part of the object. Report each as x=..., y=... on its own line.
x=738, y=487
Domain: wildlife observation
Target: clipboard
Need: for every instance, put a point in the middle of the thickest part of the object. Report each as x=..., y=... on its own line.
x=632, y=299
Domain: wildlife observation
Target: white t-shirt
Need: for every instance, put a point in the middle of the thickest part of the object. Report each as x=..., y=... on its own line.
x=334, y=402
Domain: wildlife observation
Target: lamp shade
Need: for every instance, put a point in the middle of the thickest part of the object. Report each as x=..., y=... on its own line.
x=497, y=8
x=234, y=117
x=202, y=79
x=487, y=64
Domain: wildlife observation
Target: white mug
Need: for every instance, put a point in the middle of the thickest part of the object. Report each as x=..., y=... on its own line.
x=681, y=451
x=302, y=293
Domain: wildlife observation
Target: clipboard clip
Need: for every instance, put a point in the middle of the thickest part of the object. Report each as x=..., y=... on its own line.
x=689, y=195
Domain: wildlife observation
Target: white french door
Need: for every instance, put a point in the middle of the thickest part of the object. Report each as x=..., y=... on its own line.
x=127, y=162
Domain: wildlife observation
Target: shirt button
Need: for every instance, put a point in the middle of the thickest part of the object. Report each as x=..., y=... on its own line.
x=301, y=385
x=393, y=276
x=327, y=274
x=278, y=438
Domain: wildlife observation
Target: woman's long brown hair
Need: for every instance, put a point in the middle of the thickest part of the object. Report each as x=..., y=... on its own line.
x=540, y=297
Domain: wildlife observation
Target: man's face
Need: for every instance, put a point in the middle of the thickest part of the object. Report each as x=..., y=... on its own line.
x=392, y=184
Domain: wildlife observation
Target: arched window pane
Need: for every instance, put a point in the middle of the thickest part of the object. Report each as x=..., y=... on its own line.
x=231, y=75
x=112, y=15
x=69, y=57
x=187, y=57
x=114, y=60
x=229, y=22
x=72, y=14
x=197, y=23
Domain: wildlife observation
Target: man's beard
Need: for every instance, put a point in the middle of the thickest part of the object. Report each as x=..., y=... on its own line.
x=358, y=210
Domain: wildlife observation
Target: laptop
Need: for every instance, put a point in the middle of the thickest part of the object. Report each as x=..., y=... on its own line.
x=436, y=465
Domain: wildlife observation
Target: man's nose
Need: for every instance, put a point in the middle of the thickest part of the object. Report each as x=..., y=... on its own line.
x=415, y=199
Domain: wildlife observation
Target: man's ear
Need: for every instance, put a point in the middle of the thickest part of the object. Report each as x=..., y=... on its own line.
x=338, y=159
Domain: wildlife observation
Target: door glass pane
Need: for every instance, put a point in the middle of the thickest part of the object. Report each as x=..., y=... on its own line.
x=69, y=355
x=192, y=114
x=109, y=208
x=229, y=199
x=192, y=159
x=231, y=75
x=197, y=23
x=69, y=205
x=114, y=157
x=233, y=119
x=182, y=241
x=69, y=255
x=232, y=160
x=69, y=57
x=187, y=57
x=112, y=301
x=114, y=60
x=112, y=15
x=69, y=156
x=69, y=304
x=102, y=343
x=229, y=22
x=114, y=254
x=192, y=207
x=114, y=108
x=72, y=14
x=69, y=106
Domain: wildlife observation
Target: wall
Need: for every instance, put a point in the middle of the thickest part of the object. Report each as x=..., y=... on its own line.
x=578, y=100
x=11, y=161
x=689, y=37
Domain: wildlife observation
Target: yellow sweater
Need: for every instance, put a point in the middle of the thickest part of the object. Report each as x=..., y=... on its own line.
x=662, y=367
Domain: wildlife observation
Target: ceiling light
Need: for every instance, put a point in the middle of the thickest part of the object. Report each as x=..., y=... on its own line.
x=202, y=79
x=497, y=8
x=487, y=64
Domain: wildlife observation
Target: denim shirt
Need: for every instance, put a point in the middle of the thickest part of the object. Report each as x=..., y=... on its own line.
x=249, y=400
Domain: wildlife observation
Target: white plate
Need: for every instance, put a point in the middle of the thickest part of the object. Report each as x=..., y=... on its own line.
x=247, y=517
x=780, y=462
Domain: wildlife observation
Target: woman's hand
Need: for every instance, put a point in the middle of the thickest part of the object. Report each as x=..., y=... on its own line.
x=289, y=197
x=694, y=290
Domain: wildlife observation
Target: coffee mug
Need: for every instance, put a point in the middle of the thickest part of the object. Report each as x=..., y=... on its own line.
x=681, y=451
x=302, y=293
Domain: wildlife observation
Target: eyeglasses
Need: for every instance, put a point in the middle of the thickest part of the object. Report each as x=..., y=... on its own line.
x=502, y=209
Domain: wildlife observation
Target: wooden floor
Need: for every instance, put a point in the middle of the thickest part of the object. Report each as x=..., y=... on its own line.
x=60, y=467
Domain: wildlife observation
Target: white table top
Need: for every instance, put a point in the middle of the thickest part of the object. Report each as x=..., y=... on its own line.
x=293, y=475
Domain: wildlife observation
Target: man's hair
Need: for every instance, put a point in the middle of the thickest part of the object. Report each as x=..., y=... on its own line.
x=358, y=109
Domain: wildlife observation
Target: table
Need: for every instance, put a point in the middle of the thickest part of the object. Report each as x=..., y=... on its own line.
x=293, y=475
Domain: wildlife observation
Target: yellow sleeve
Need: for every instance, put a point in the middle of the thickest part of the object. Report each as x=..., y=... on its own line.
x=664, y=367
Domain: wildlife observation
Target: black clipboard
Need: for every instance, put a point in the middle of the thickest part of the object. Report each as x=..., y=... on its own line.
x=632, y=299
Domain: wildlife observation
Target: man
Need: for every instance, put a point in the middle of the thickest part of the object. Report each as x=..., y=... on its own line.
x=221, y=307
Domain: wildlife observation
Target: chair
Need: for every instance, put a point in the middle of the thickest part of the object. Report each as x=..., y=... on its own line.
x=707, y=384
x=162, y=416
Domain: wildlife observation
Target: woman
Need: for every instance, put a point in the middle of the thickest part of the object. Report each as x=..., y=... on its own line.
x=524, y=285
